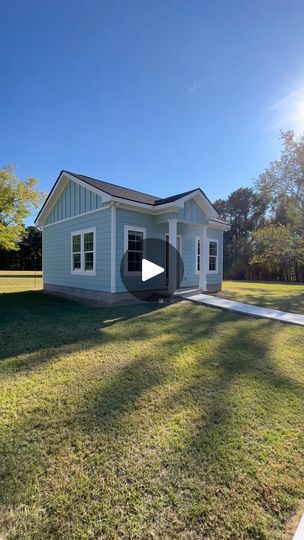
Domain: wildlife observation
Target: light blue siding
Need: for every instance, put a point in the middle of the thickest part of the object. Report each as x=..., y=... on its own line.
x=127, y=217
x=65, y=218
x=74, y=200
x=159, y=230
x=189, y=235
x=192, y=213
x=57, y=252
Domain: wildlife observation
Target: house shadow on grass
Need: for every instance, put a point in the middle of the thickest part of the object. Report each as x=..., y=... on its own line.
x=180, y=425
x=40, y=326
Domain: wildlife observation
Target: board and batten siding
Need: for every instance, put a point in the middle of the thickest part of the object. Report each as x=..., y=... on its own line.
x=74, y=200
x=192, y=213
x=78, y=208
x=56, y=259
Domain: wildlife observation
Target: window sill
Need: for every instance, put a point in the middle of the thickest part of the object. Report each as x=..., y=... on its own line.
x=83, y=273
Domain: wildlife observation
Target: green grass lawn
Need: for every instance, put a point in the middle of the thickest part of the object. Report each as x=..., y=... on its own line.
x=147, y=422
x=283, y=296
x=12, y=281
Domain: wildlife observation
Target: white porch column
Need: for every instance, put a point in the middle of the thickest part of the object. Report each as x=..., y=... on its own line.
x=172, y=258
x=204, y=256
x=113, y=248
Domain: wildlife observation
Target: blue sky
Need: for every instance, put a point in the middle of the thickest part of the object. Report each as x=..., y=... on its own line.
x=161, y=96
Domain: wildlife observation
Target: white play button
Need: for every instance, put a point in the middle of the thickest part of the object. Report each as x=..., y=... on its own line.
x=150, y=270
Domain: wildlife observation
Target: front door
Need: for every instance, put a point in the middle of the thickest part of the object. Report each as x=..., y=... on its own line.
x=178, y=248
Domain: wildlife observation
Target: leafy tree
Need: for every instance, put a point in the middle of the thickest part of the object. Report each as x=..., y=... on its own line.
x=29, y=253
x=245, y=210
x=17, y=199
x=277, y=253
x=282, y=184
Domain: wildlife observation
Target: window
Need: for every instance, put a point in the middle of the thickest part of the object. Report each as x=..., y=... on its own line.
x=76, y=252
x=213, y=254
x=83, y=252
x=88, y=240
x=134, y=245
x=197, y=255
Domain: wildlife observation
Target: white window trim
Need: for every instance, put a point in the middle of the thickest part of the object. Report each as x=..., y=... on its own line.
x=82, y=271
x=197, y=240
x=128, y=228
x=217, y=256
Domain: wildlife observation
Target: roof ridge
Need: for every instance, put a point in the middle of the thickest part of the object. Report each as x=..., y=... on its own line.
x=112, y=184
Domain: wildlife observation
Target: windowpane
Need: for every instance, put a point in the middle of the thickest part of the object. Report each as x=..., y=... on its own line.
x=88, y=239
x=76, y=243
x=89, y=261
x=83, y=257
x=76, y=261
x=135, y=250
x=212, y=263
x=213, y=248
x=198, y=255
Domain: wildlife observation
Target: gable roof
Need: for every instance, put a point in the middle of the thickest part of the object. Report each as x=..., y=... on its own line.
x=133, y=195
x=119, y=192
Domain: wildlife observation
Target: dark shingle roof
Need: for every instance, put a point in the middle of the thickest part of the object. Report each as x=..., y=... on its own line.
x=174, y=197
x=117, y=191
x=124, y=193
x=129, y=194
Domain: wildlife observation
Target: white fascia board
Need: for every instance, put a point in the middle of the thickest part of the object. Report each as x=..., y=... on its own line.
x=134, y=205
x=201, y=200
x=218, y=225
x=206, y=205
x=106, y=197
x=62, y=182
x=50, y=203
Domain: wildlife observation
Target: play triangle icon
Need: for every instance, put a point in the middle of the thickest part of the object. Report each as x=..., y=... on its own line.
x=150, y=270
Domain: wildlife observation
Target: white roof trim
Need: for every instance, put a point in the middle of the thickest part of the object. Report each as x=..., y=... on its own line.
x=64, y=177
x=62, y=182
x=219, y=225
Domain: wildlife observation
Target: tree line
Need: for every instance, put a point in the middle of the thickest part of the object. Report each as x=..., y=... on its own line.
x=20, y=246
x=266, y=239
x=27, y=256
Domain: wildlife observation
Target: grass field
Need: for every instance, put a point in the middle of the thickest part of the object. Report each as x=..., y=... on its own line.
x=147, y=422
x=283, y=296
x=12, y=281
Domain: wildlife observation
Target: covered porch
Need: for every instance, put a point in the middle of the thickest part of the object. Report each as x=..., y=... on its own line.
x=175, y=238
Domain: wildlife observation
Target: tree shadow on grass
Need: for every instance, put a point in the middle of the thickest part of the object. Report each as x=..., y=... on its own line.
x=21, y=276
x=40, y=326
x=241, y=400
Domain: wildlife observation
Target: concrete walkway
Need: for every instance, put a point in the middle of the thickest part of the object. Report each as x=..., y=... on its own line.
x=299, y=534
x=240, y=307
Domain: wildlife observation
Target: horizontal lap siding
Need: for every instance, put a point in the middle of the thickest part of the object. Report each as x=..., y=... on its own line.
x=188, y=235
x=159, y=230
x=74, y=200
x=57, y=252
x=216, y=234
x=127, y=217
